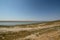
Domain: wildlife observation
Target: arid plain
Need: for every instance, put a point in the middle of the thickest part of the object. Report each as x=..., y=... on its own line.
x=37, y=31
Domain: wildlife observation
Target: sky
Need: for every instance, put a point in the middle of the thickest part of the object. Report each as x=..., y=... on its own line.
x=37, y=10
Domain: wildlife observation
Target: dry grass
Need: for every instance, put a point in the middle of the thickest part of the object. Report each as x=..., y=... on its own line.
x=22, y=34
x=39, y=34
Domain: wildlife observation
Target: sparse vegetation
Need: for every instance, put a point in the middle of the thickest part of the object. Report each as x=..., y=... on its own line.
x=10, y=35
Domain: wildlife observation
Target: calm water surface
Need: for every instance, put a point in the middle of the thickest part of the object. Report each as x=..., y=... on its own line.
x=15, y=23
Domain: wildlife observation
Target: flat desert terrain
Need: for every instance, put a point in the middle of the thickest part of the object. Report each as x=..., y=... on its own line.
x=37, y=31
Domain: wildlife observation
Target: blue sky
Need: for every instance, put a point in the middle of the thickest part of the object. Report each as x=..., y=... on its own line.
x=39, y=10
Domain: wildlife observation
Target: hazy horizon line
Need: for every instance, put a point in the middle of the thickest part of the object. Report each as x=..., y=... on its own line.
x=28, y=20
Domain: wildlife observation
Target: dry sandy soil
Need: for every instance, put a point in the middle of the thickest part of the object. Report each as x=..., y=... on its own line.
x=40, y=31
